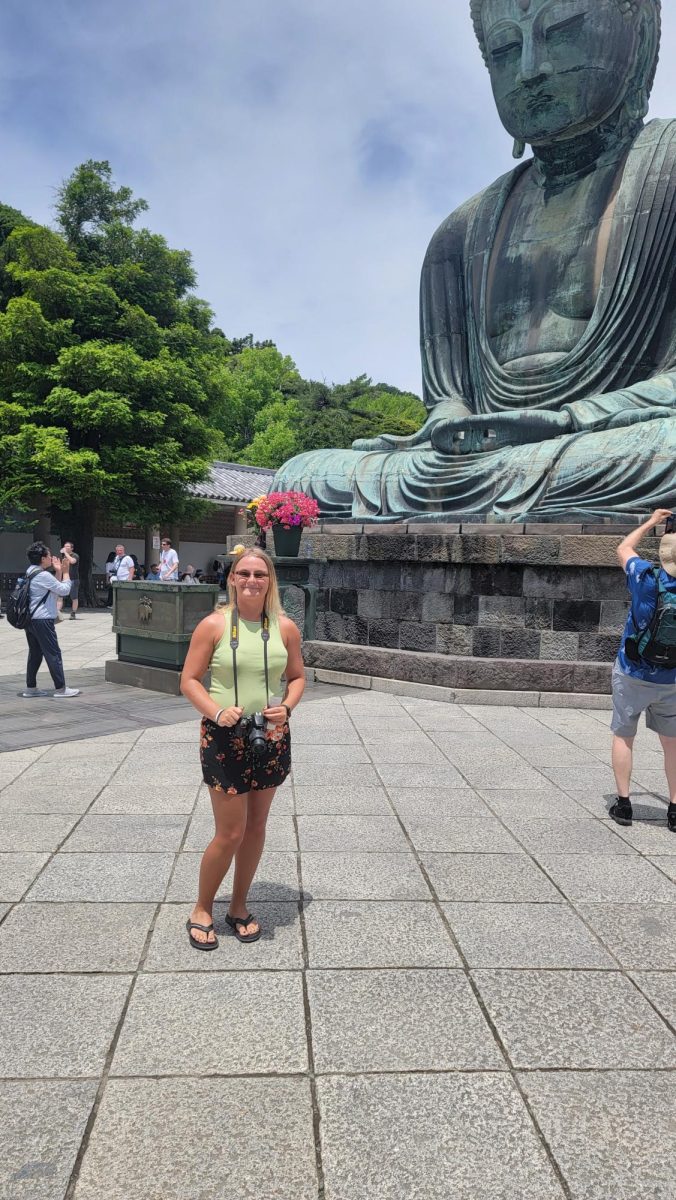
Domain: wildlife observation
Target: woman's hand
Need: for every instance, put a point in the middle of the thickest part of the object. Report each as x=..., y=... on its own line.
x=276, y=714
x=230, y=717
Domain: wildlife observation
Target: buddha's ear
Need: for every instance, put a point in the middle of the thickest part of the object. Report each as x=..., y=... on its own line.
x=643, y=75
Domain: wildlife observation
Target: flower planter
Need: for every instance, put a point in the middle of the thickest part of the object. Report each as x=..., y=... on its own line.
x=287, y=541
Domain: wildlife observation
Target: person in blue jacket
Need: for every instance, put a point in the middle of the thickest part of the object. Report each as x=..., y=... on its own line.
x=639, y=686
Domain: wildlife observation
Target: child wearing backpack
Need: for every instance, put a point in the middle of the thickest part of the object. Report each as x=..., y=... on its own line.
x=644, y=675
x=32, y=607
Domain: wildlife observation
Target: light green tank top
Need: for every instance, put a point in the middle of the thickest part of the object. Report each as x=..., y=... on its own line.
x=250, y=666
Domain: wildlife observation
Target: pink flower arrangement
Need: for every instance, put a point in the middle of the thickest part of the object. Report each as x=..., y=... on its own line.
x=288, y=509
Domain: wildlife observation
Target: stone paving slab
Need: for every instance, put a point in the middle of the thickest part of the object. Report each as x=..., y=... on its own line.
x=600, y=1155
x=524, y=935
x=104, y=877
x=569, y=1019
x=666, y=864
x=341, y=801
x=172, y=1139
x=74, y=937
x=143, y=798
x=641, y=936
x=371, y=934
x=58, y=1025
x=407, y=1021
x=604, y=878
x=279, y=948
x=349, y=835
x=25, y=795
x=42, y=1123
x=430, y=1137
x=166, y=1027
x=363, y=877
x=17, y=872
x=448, y=834
x=501, y=878
x=132, y=832
x=20, y=832
x=463, y=923
x=660, y=988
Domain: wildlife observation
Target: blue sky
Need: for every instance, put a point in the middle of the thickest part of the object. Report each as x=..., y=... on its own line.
x=303, y=152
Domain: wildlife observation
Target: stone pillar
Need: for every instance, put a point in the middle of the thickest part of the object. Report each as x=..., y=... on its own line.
x=152, y=545
x=42, y=530
x=240, y=522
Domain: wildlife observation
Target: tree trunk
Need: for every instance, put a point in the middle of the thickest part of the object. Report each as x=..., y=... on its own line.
x=81, y=532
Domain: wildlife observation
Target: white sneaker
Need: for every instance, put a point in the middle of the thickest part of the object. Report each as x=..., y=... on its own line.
x=29, y=693
x=66, y=692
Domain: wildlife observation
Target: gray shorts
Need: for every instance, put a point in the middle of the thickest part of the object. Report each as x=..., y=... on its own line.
x=632, y=696
x=74, y=589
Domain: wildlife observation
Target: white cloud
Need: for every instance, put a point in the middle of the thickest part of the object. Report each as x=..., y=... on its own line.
x=304, y=152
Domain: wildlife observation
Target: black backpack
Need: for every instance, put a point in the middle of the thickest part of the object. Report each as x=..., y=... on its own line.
x=19, y=611
x=656, y=642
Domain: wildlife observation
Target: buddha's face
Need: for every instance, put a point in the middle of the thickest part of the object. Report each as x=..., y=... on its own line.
x=558, y=67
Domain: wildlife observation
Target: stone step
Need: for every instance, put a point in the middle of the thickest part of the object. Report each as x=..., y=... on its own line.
x=459, y=672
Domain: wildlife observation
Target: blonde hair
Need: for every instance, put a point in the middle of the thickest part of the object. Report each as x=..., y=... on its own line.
x=273, y=603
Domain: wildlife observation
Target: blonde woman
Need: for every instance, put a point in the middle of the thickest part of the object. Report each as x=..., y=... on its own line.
x=241, y=770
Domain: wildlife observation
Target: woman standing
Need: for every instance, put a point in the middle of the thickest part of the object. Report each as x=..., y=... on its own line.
x=247, y=644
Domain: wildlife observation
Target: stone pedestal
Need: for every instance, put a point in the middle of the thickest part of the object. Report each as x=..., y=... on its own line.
x=517, y=607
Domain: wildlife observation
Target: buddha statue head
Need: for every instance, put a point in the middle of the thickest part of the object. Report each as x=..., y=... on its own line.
x=563, y=68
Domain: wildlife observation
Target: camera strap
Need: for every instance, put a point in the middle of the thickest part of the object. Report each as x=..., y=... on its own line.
x=234, y=645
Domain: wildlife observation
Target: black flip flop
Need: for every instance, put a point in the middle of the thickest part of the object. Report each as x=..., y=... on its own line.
x=197, y=945
x=235, y=922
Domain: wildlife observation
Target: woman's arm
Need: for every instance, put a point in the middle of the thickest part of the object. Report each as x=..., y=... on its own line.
x=295, y=672
x=200, y=652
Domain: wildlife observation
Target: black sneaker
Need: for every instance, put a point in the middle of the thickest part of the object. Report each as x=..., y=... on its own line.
x=621, y=812
x=671, y=818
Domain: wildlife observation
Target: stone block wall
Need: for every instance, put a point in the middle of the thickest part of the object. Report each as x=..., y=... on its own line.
x=467, y=606
x=556, y=596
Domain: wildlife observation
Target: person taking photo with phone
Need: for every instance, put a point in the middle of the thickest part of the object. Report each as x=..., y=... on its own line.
x=644, y=675
x=49, y=578
x=245, y=743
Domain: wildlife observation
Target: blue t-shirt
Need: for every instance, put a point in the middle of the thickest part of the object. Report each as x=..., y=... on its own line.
x=643, y=587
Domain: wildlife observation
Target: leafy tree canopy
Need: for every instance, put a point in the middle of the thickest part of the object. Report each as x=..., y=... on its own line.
x=111, y=375
x=117, y=390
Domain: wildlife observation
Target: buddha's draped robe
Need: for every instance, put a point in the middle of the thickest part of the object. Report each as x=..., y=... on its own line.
x=613, y=383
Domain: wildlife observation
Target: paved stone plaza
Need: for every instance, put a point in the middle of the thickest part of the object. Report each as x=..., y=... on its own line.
x=466, y=987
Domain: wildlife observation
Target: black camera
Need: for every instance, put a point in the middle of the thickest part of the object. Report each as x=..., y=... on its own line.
x=253, y=729
x=670, y=524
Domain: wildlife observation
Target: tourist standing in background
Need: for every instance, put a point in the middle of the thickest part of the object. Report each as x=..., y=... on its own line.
x=121, y=569
x=41, y=628
x=72, y=561
x=168, y=562
x=644, y=675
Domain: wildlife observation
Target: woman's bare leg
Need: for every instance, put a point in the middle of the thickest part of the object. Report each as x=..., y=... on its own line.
x=248, y=855
x=230, y=818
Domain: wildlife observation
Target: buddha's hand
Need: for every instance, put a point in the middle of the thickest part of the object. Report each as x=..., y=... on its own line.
x=481, y=433
x=441, y=414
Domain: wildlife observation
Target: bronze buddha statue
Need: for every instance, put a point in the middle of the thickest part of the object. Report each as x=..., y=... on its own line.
x=548, y=301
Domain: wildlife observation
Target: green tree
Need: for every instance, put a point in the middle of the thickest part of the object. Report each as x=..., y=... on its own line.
x=112, y=377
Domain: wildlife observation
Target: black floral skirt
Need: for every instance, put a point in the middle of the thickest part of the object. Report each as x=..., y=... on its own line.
x=229, y=766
